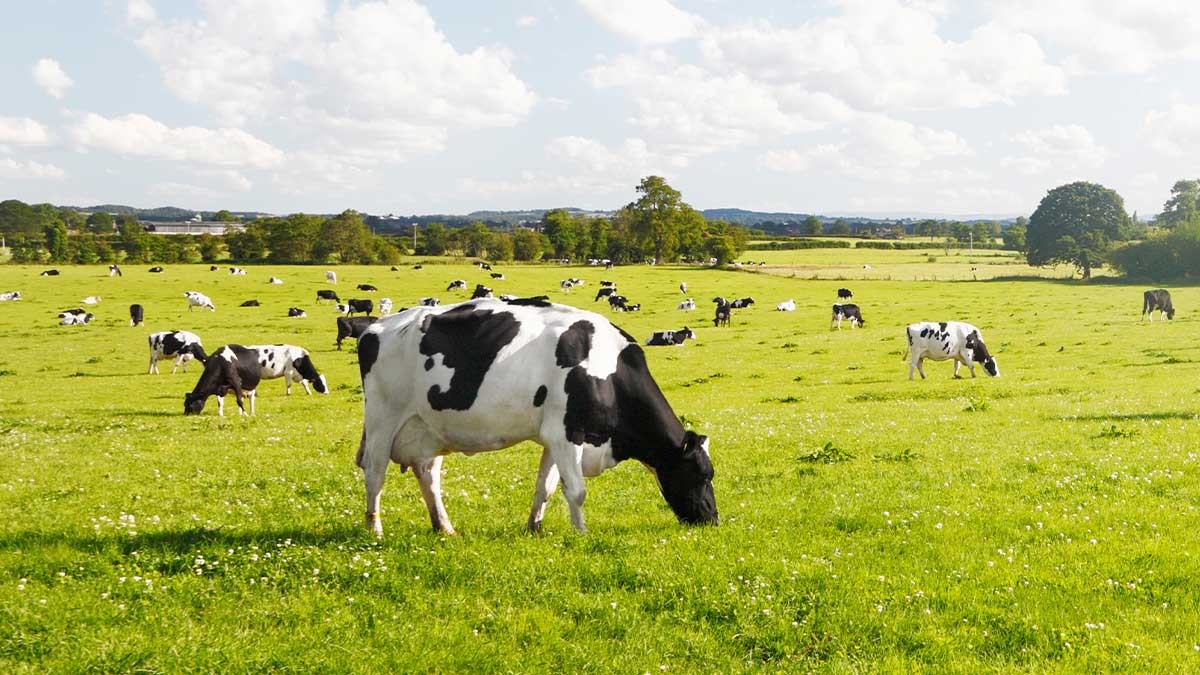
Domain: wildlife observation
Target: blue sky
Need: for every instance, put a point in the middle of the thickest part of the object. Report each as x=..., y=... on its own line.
x=399, y=106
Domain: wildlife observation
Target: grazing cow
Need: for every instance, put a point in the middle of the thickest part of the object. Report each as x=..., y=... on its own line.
x=49, y=273
x=428, y=302
x=723, y=313
x=77, y=319
x=395, y=269
x=385, y=306
x=670, y=337
x=293, y=364
x=484, y=375
x=608, y=284
x=457, y=283
x=274, y=280
x=181, y=344
x=297, y=312
x=249, y=303
x=331, y=277
x=605, y=292
x=617, y=301
x=196, y=299
x=91, y=300
x=848, y=312
x=418, y=267
x=741, y=302
x=360, y=306
x=484, y=266
x=630, y=308
x=788, y=305
x=566, y=284
x=237, y=271
x=352, y=327
x=367, y=288
x=231, y=368
x=1157, y=299
x=114, y=271
x=481, y=291
x=844, y=294
x=214, y=268
x=10, y=296
x=683, y=287
x=868, y=267
x=608, y=265
x=156, y=269
x=948, y=340
x=137, y=315
x=688, y=305
x=497, y=275
x=327, y=295
x=342, y=308
x=71, y=312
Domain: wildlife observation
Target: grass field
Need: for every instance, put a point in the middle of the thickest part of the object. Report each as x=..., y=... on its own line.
x=1044, y=521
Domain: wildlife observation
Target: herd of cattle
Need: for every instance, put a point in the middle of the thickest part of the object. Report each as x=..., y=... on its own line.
x=488, y=373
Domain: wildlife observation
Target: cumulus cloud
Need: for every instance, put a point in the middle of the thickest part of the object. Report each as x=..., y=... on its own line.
x=1062, y=146
x=139, y=12
x=18, y=170
x=138, y=135
x=526, y=21
x=647, y=22
x=22, y=131
x=1174, y=132
x=49, y=75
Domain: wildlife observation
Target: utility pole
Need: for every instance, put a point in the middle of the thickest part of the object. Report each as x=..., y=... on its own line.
x=972, y=250
x=415, y=223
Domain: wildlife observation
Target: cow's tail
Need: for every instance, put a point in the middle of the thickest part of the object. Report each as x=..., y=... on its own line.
x=907, y=344
x=1147, y=303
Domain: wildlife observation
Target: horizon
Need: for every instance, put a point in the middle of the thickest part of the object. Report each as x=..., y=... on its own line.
x=872, y=110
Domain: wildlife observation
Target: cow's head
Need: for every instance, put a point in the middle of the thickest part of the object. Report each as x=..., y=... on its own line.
x=686, y=482
x=193, y=403
x=196, y=351
x=308, y=371
x=980, y=354
x=1170, y=312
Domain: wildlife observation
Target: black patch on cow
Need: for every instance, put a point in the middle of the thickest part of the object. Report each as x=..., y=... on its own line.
x=537, y=301
x=943, y=325
x=574, y=344
x=368, y=351
x=468, y=338
x=429, y=363
x=539, y=396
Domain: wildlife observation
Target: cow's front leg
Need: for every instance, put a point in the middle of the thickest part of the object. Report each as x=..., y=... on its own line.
x=253, y=397
x=429, y=477
x=569, y=460
x=220, y=405
x=543, y=489
x=957, y=365
x=374, y=465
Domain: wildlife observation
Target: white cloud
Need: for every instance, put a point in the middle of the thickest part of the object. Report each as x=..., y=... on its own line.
x=228, y=179
x=23, y=131
x=49, y=75
x=17, y=170
x=141, y=136
x=1174, y=132
x=648, y=22
x=527, y=21
x=139, y=12
x=1060, y=147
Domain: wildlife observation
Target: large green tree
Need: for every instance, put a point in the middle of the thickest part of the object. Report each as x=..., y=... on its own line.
x=1076, y=223
x=99, y=222
x=527, y=244
x=1184, y=205
x=658, y=217
x=346, y=237
x=291, y=239
x=558, y=228
x=812, y=226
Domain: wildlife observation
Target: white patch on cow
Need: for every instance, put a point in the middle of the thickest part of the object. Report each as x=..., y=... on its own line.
x=227, y=354
x=597, y=459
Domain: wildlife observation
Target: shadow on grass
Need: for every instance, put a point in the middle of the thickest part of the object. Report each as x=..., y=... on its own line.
x=144, y=413
x=1128, y=417
x=184, y=541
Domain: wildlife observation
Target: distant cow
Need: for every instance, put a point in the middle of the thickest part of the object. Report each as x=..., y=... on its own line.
x=197, y=299
x=293, y=364
x=687, y=305
x=297, y=312
x=331, y=277
x=428, y=302
x=683, y=287
x=327, y=295
x=136, y=315
x=418, y=267
x=385, y=306
x=156, y=269
x=741, y=303
x=484, y=266
x=788, y=305
x=723, y=313
x=237, y=271
x=481, y=291
x=10, y=296
x=274, y=280
x=670, y=337
x=948, y=340
x=181, y=344
x=605, y=292
x=71, y=312
x=845, y=294
x=484, y=375
x=231, y=368
x=1157, y=299
x=607, y=284
x=114, y=271
x=77, y=319
x=566, y=284
x=249, y=303
x=497, y=275
x=456, y=284
x=92, y=300
x=367, y=288
x=352, y=327
x=213, y=268
x=847, y=312
x=617, y=302
x=49, y=273
x=365, y=306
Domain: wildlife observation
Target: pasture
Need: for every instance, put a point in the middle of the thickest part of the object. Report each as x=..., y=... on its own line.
x=1044, y=521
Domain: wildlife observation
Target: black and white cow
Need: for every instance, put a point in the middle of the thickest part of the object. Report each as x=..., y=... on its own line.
x=741, y=303
x=360, y=307
x=481, y=291
x=617, y=302
x=92, y=300
x=331, y=277
x=428, y=302
x=683, y=287
x=327, y=295
x=181, y=344
x=1159, y=299
x=418, y=267
x=497, y=275
x=213, y=268
x=456, y=284
x=78, y=311
x=724, y=312
x=197, y=299
x=237, y=271
x=293, y=364
x=156, y=269
x=844, y=294
x=607, y=284
x=367, y=288
x=788, y=305
x=847, y=312
x=948, y=340
x=605, y=292
x=77, y=319
x=484, y=266
x=49, y=273
x=137, y=315
x=10, y=296
x=114, y=271
x=297, y=312
x=275, y=280
x=385, y=306
x=567, y=284
x=670, y=337
x=251, y=303
x=687, y=305
x=630, y=308
x=231, y=368
x=484, y=375
x=352, y=327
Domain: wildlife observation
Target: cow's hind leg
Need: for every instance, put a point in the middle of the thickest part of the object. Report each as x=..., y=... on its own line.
x=547, y=481
x=568, y=457
x=374, y=464
x=429, y=477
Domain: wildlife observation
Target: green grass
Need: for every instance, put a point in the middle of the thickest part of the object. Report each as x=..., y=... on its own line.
x=1043, y=521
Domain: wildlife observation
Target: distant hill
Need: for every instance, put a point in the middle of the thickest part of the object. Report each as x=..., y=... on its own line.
x=159, y=214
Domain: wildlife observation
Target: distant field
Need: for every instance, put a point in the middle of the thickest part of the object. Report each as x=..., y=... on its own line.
x=1044, y=521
